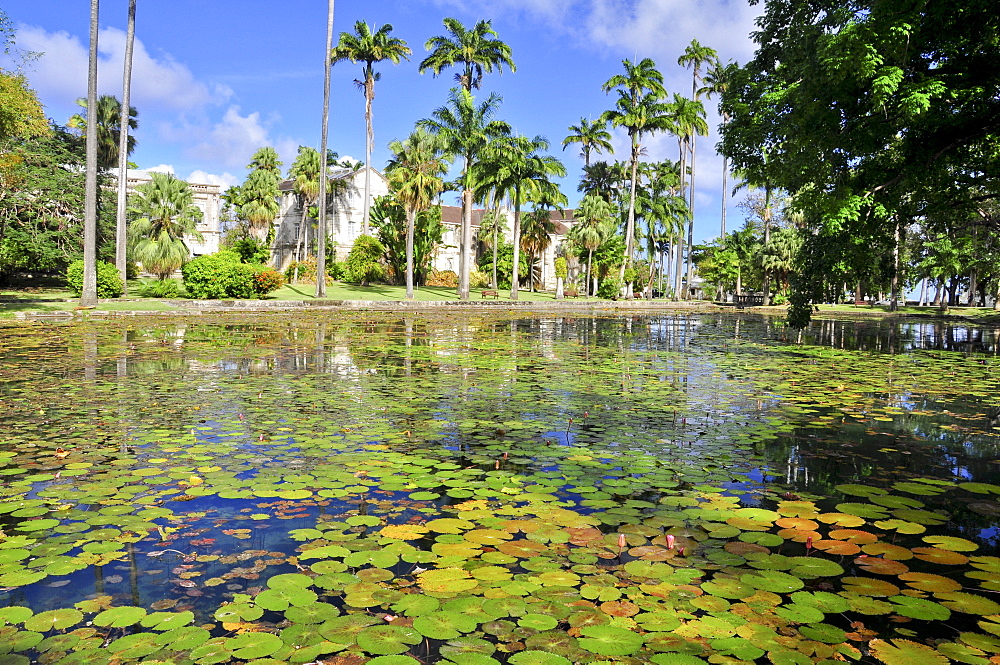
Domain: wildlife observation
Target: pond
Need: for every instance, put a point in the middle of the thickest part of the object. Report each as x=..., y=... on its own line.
x=477, y=489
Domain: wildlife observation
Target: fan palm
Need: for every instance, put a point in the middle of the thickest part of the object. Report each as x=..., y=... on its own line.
x=592, y=137
x=165, y=212
x=369, y=47
x=416, y=174
x=466, y=128
x=478, y=50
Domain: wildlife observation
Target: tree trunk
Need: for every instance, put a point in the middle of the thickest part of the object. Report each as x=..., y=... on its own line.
x=121, y=256
x=690, y=238
x=973, y=287
x=517, y=245
x=894, y=297
x=923, y=292
x=298, y=244
x=321, y=231
x=88, y=296
x=369, y=144
x=767, y=240
x=630, y=221
x=559, y=288
x=496, y=231
x=465, y=245
x=411, y=218
x=586, y=283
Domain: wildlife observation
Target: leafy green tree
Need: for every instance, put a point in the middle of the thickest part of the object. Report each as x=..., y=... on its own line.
x=369, y=48
x=42, y=205
x=466, y=128
x=416, y=175
x=514, y=167
x=536, y=236
x=21, y=114
x=592, y=137
x=365, y=260
x=869, y=114
x=164, y=213
x=492, y=228
x=640, y=110
x=604, y=179
x=389, y=219
x=259, y=192
x=477, y=51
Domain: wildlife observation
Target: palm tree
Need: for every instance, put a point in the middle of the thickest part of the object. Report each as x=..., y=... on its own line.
x=687, y=118
x=166, y=213
x=640, y=109
x=593, y=218
x=478, y=50
x=88, y=294
x=694, y=56
x=305, y=173
x=717, y=81
x=124, y=122
x=466, y=128
x=416, y=174
x=369, y=47
x=260, y=192
x=514, y=168
x=663, y=208
x=491, y=227
x=592, y=137
x=603, y=179
x=536, y=235
x=321, y=230
x=108, y=122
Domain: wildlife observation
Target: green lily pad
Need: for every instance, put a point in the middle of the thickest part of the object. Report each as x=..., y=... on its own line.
x=385, y=640
x=253, y=645
x=53, y=620
x=120, y=617
x=609, y=640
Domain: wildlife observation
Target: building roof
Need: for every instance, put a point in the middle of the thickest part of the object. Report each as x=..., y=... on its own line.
x=453, y=215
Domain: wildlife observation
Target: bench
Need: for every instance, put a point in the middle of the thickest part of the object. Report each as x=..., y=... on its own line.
x=742, y=301
x=488, y=293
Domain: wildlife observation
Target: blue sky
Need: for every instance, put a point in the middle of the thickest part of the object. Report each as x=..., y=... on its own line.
x=215, y=80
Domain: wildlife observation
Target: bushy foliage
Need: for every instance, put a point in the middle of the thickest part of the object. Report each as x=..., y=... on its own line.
x=505, y=264
x=250, y=250
x=447, y=278
x=609, y=288
x=389, y=221
x=109, y=282
x=159, y=288
x=478, y=279
x=336, y=269
x=365, y=262
x=306, y=271
x=222, y=275
x=562, y=269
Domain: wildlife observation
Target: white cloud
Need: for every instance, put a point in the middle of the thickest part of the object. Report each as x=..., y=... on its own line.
x=224, y=181
x=232, y=141
x=160, y=168
x=60, y=74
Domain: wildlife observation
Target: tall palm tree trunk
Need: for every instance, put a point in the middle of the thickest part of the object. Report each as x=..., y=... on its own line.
x=630, y=223
x=496, y=233
x=121, y=260
x=586, y=284
x=465, y=245
x=298, y=243
x=411, y=219
x=321, y=231
x=690, y=237
x=517, y=244
x=725, y=194
x=369, y=144
x=88, y=296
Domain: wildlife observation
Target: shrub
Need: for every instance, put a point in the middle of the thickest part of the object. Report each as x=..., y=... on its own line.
x=336, y=269
x=251, y=250
x=477, y=280
x=221, y=275
x=562, y=269
x=447, y=278
x=307, y=271
x=156, y=288
x=109, y=282
x=364, y=263
x=609, y=288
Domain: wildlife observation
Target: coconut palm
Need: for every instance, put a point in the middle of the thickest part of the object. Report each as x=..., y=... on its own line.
x=694, y=56
x=369, y=47
x=466, y=128
x=305, y=174
x=593, y=218
x=592, y=137
x=321, y=230
x=478, y=50
x=416, y=175
x=717, y=81
x=88, y=294
x=603, y=179
x=515, y=169
x=164, y=212
x=640, y=110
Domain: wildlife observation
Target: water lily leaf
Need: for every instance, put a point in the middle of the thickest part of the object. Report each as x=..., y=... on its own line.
x=863, y=510
x=448, y=525
x=134, y=646
x=288, y=580
x=15, y=614
x=538, y=621
x=905, y=652
x=730, y=588
x=920, y=608
x=823, y=632
x=800, y=613
x=253, y=645
x=325, y=552
x=234, y=612
x=968, y=603
x=812, y=567
x=376, y=558
x=442, y=625
x=280, y=599
x=394, y=660
x=505, y=607
x=860, y=490
x=609, y=640
x=535, y=657
x=824, y=601
x=879, y=566
x=773, y=580
x=449, y=580
x=312, y=613
x=940, y=556
x=119, y=617
x=980, y=488
x=524, y=549
x=167, y=620
x=345, y=629
x=403, y=531
x=920, y=489
x=951, y=543
x=53, y=619
x=925, y=517
x=385, y=640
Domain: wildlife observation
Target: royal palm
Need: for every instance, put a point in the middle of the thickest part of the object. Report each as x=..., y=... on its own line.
x=592, y=137
x=369, y=48
x=476, y=51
